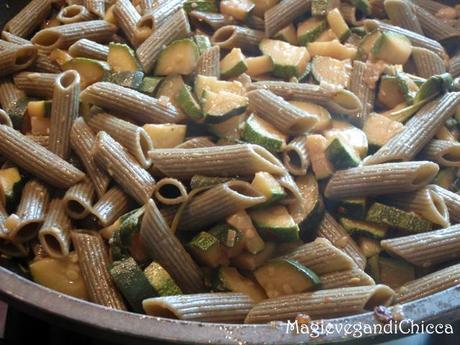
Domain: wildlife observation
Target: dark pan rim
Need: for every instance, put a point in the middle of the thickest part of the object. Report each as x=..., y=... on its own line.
x=33, y=297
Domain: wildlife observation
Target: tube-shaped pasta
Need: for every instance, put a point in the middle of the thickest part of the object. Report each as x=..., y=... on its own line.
x=9, y=37
x=74, y=14
x=173, y=28
x=113, y=204
x=225, y=307
x=341, y=102
x=349, y=278
x=365, y=94
x=402, y=14
x=427, y=63
x=217, y=203
x=9, y=94
x=64, y=111
x=295, y=156
x=134, y=138
x=283, y=14
x=157, y=15
x=429, y=284
x=230, y=160
x=42, y=140
x=380, y=179
x=45, y=64
x=89, y=49
x=147, y=4
x=425, y=202
x=31, y=212
x=133, y=104
x=434, y=7
x=210, y=22
x=37, y=160
x=127, y=18
x=5, y=118
x=428, y=248
x=196, y=142
x=168, y=251
x=443, y=152
x=36, y=84
x=452, y=201
x=8, y=247
x=78, y=199
x=294, y=195
x=31, y=16
x=94, y=264
x=124, y=169
x=54, y=234
x=232, y=36
x=454, y=65
x=209, y=63
x=418, y=131
x=14, y=58
x=281, y=114
x=95, y=6
x=82, y=141
x=176, y=193
x=65, y=35
x=322, y=304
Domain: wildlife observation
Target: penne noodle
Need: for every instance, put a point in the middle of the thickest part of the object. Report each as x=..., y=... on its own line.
x=232, y=36
x=78, y=200
x=8, y=247
x=427, y=63
x=207, y=307
x=283, y=14
x=174, y=192
x=157, y=15
x=147, y=5
x=295, y=156
x=110, y=206
x=434, y=7
x=349, y=278
x=364, y=93
x=14, y=58
x=196, y=142
x=294, y=195
x=36, y=84
x=380, y=179
x=94, y=265
x=45, y=64
x=349, y=14
x=210, y=22
x=454, y=65
x=9, y=94
x=89, y=49
x=127, y=18
x=209, y=63
x=96, y=7
x=444, y=152
x=402, y=14
x=168, y=251
x=74, y=14
x=5, y=119
x=42, y=140
x=452, y=201
x=30, y=17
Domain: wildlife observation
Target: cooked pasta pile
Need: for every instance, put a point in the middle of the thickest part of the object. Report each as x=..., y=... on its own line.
x=235, y=160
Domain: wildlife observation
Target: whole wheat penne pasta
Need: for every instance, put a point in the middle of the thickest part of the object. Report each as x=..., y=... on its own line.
x=37, y=160
x=31, y=16
x=174, y=191
x=341, y=102
x=36, y=84
x=427, y=63
x=452, y=201
x=340, y=238
x=209, y=63
x=5, y=118
x=349, y=278
x=124, y=169
x=173, y=28
x=14, y=58
x=281, y=114
x=42, y=140
x=380, y=179
x=74, y=14
x=365, y=94
x=418, y=131
x=283, y=14
x=210, y=22
x=94, y=265
x=230, y=160
x=31, y=212
x=169, y=213
x=225, y=307
x=402, y=14
x=78, y=199
x=8, y=247
x=348, y=12
x=322, y=257
x=45, y=64
x=295, y=156
x=65, y=35
x=127, y=18
x=217, y=203
x=64, y=111
x=167, y=249
x=110, y=206
x=426, y=203
x=95, y=6
x=89, y=49
x=434, y=7
x=157, y=15
x=454, y=65
x=54, y=234
x=428, y=248
x=443, y=152
x=255, y=22
x=322, y=304
x=134, y=138
x=147, y=4
x=82, y=141
x=9, y=94
x=133, y=104
x=294, y=195
x=232, y=36
x=196, y=142
x=429, y=284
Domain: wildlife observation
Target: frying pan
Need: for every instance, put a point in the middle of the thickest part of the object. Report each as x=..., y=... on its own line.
x=126, y=327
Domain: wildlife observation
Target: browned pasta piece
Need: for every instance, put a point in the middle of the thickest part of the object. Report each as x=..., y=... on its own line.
x=74, y=14
x=365, y=94
x=113, y=204
x=5, y=118
x=402, y=14
x=89, y=49
x=8, y=247
x=42, y=140
x=454, y=65
x=349, y=278
x=127, y=18
x=233, y=36
x=31, y=16
x=14, y=58
x=210, y=22
x=427, y=63
x=170, y=191
x=45, y=64
x=283, y=14
x=452, y=201
x=443, y=152
x=95, y=6
x=152, y=18
x=294, y=195
x=295, y=156
x=36, y=84
x=78, y=199
x=196, y=142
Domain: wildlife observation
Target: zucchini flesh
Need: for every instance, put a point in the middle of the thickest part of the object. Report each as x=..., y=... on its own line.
x=341, y=155
x=310, y=29
x=170, y=88
x=392, y=48
x=229, y=237
x=357, y=227
x=319, y=7
x=122, y=58
x=267, y=185
x=407, y=86
x=11, y=183
x=338, y=24
x=188, y=104
x=132, y=80
x=180, y=57
x=367, y=43
x=161, y=281
x=275, y=224
x=39, y=109
x=369, y=246
x=208, y=250
x=166, y=135
x=90, y=70
x=259, y=65
x=379, y=129
x=228, y=130
x=316, y=147
x=288, y=34
x=218, y=107
x=241, y=221
x=229, y=279
x=333, y=49
x=331, y=71
x=324, y=117
x=149, y=85
x=390, y=94
x=204, y=83
x=350, y=134
x=238, y=9
x=202, y=42
x=233, y=64
x=250, y=262
x=200, y=5
x=260, y=132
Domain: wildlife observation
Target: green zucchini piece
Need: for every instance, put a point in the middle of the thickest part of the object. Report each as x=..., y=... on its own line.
x=316, y=147
x=319, y=7
x=394, y=272
x=261, y=6
x=161, y=281
x=358, y=227
x=202, y=42
x=11, y=184
x=288, y=34
x=229, y=279
x=200, y=5
x=39, y=109
x=250, y=262
x=238, y=9
x=369, y=246
x=367, y=43
x=392, y=48
x=17, y=112
x=342, y=155
x=275, y=224
x=180, y=57
x=130, y=225
x=331, y=71
x=363, y=6
x=354, y=208
x=324, y=117
x=219, y=107
x=310, y=29
x=350, y=134
x=170, y=87
x=386, y=215
x=117, y=250
x=200, y=181
x=132, y=283
x=283, y=277
x=269, y=186
x=132, y=80
x=338, y=24
x=359, y=31
x=166, y=135
x=149, y=85
x=229, y=237
x=433, y=87
x=379, y=129
x=90, y=70
x=228, y=130
x=390, y=93
x=204, y=83
x=188, y=104
x=208, y=250
x=122, y=58
x=242, y=222
x=258, y=131
x=288, y=60
x=407, y=86
x=233, y=64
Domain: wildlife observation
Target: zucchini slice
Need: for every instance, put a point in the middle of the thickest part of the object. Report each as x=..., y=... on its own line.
x=269, y=186
x=149, y=85
x=238, y=9
x=122, y=58
x=333, y=49
x=283, y=277
x=319, y=7
x=233, y=64
x=390, y=94
x=288, y=60
x=170, y=87
x=310, y=29
x=180, y=57
x=354, y=208
x=357, y=227
x=229, y=279
x=39, y=109
x=132, y=80
x=350, y=134
x=341, y=155
x=11, y=184
x=367, y=43
x=369, y=246
x=250, y=262
x=204, y=83
x=324, y=117
x=316, y=147
x=392, y=48
x=379, y=129
x=161, y=281
x=229, y=237
x=327, y=36
x=331, y=71
x=208, y=250
x=228, y=130
x=260, y=132
x=218, y=107
x=200, y=5
x=242, y=222
x=90, y=70
x=288, y=34
x=338, y=24
x=275, y=224
x=202, y=42
x=166, y=135
x=17, y=112
x=188, y=104
x=259, y=65
x=408, y=87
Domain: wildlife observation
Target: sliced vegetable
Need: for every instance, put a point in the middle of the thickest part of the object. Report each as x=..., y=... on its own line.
x=233, y=64
x=218, y=107
x=324, y=117
x=208, y=250
x=259, y=65
x=269, y=186
x=390, y=93
x=122, y=58
x=338, y=24
x=169, y=90
x=242, y=222
x=369, y=246
x=319, y=7
x=350, y=134
x=258, y=131
x=341, y=155
x=202, y=42
x=200, y=5
x=316, y=147
x=275, y=224
x=132, y=80
x=395, y=273
x=90, y=70
x=229, y=237
x=310, y=29
x=161, y=281
x=353, y=208
x=358, y=227
x=228, y=130
x=238, y=9
x=363, y=6
x=149, y=85
x=204, y=83
x=379, y=129
x=333, y=49
x=40, y=109
x=288, y=34
x=367, y=43
x=331, y=71
x=229, y=279
x=11, y=184
x=408, y=87
x=166, y=135
x=188, y=104
x=180, y=57
x=392, y=48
